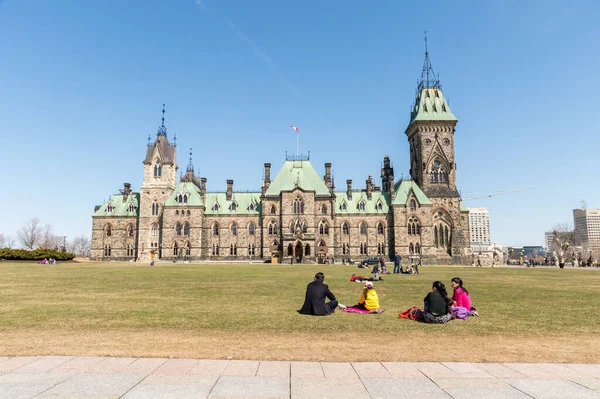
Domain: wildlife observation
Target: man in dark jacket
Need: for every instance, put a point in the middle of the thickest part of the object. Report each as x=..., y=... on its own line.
x=316, y=292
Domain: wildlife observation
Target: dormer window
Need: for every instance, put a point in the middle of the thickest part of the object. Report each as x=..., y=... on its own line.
x=109, y=208
x=344, y=206
x=215, y=207
x=361, y=206
x=233, y=206
x=413, y=204
x=131, y=208
x=379, y=205
x=182, y=198
x=251, y=207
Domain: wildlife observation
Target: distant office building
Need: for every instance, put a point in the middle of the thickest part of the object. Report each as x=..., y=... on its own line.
x=587, y=228
x=479, y=224
x=548, y=240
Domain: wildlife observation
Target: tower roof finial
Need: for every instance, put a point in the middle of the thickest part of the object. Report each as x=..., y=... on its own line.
x=190, y=166
x=163, y=111
x=162, y=130
x=428, y=76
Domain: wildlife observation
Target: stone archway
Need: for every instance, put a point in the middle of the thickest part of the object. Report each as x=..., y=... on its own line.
x=299, y=251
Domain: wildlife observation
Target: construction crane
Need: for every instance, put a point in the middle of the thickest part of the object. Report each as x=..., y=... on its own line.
x=499, y=193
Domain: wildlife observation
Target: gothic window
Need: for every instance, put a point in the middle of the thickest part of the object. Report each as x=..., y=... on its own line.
x=417, y=248
x=298, y=206
x=272, y=227
x=433, y=177
x=307, y=250
x=185, y=198
x=273, y=210
x=411, y=249
x=109, y=208
x=290, y=250
x=361, y=206
x=345, y=229
x=379, y=206
x=130, y=230
x=363, y=229
x=234, y=229
x=324, y=209
x=215, y=207
x=130, y=208
x=108, y=230
x=178, y=229
x=443, y=176
x=292, y=227
x=157, y=168
x=304, y=227
x=251, y=229
x=251, y=207
x=435, y=236
x=215, y=229
x=446, y=238
x=233, y=206
x=344, y=206
x=188, y=212
x=154, y=230
x=324, y=228
x=180, y=199
x=155, y=208
x=380, y=229
x=175, y=249
x=441, y=233
x=413, y=204
x=186, y=229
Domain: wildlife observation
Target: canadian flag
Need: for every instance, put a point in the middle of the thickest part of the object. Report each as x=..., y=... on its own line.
x=294, y=127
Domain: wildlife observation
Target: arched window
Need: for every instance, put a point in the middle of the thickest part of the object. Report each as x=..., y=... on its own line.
x=379, y=206
x=413, y=204
x=251, y=228
x=324, y=228
x=435, y=237
x=186, y=229
x=215, y=207
x=109, y=208
x=215, y=229
x=188, y=212
x=154, y=230
x=157, y=168
x=290, y=250
x=185, y=198
x=108, y=230
x=345, y=229
x=304, y=227
x=344, y=206
x=417, y=248
x=298, y=206
x=233, y=206
x=433, y=176
x=273, y=210
x=155, y=208
x=130, y=230
x=251, y=207
x=180, y=199
x=411, y=249
x=446, y=237
x=443, y=176
x=324, y=209
x=413, y=226
x=178, y=229
x=234, y=229
x=441, y=232
x=292, y=228
x=307, y=250
x=380, y=229
x=130, y=208
x=361, y=206
x=272, y=227
x=175, y=249
x=363, y=229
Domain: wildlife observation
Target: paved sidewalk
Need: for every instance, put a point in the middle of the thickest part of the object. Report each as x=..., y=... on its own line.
x=130, y=378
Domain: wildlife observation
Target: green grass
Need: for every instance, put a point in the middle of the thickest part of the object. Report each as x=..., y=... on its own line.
x=263, y=298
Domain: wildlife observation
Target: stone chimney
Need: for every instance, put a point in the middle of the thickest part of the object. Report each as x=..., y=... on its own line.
x=391, y=187
x=126, y=191
x=229, y=194
x=327, y=176
x=349, y=188
x=267, y=174
x=203, y=187
x=369, y=183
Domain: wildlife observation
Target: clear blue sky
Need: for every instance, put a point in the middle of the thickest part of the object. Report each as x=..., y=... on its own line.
x=82, y=84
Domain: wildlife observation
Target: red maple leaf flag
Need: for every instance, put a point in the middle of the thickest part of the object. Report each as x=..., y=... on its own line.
x=294, y=127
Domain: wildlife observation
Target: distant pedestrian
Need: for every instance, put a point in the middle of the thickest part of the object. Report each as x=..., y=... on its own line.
x=397, y=264
x=478, y=262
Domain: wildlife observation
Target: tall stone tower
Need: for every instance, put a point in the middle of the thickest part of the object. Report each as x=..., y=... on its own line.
x=160, y=179
x=430, y=134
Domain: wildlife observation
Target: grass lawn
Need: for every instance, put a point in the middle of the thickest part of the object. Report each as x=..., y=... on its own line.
x=249, y=312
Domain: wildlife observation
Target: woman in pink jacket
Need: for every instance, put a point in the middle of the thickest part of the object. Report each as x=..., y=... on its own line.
x=461, y=296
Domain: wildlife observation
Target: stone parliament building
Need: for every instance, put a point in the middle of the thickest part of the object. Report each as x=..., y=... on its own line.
x=298, y=214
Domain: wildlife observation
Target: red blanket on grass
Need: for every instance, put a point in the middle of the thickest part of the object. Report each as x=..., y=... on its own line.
x=407, y=315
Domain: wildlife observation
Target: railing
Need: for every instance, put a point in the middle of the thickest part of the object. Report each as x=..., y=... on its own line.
x=297, y=157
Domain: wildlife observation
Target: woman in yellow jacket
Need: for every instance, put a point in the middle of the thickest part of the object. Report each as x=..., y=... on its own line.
x=368, y=299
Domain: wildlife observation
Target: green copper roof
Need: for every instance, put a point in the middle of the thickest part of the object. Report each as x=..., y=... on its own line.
x=297, y=174
x=463, y=208
x=245, y=204
x=189, y=189
x=403, y=190
x=358, y=197
x=430, y=105
x=120, y=208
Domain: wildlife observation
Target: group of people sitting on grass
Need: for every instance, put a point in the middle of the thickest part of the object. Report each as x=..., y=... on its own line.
x=50, y=261
x=437, y=306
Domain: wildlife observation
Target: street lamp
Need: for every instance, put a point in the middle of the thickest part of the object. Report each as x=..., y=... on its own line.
x=64, y=248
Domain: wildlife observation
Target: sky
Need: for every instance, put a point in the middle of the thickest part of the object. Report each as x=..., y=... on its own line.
x=82, y=85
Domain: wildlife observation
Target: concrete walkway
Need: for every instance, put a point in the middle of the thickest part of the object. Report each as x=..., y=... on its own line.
x=100, y=377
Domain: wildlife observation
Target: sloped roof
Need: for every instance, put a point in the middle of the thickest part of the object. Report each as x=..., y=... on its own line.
x=295, y=174
x=430, y=105
x=403, y=190
x=192, y=191
x=166, y=150
x=243, y=201
x=357, y=197
x=120, y=208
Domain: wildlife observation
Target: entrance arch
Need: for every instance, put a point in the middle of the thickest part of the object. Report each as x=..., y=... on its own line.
x=299, y=251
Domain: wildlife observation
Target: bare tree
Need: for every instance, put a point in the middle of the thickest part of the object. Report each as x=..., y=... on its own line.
x=10, y=242
x=80, y=246
x=564, y=238
x=2, y=241
x=30, y=235
x=48, y=240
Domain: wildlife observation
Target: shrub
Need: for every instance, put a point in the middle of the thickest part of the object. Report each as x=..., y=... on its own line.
x=36, y=254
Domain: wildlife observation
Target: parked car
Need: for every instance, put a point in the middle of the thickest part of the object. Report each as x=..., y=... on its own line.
x=372, y=261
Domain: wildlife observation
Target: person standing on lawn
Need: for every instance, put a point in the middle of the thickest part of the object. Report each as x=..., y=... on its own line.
x=397, y=264
x=314, y=301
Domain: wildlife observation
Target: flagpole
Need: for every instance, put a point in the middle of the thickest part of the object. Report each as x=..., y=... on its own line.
x=297, y=134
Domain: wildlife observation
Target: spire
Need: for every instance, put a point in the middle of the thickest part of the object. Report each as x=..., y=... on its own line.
x=162, y=130
x=149, y=139
x=190, y=167
x=428, y=76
